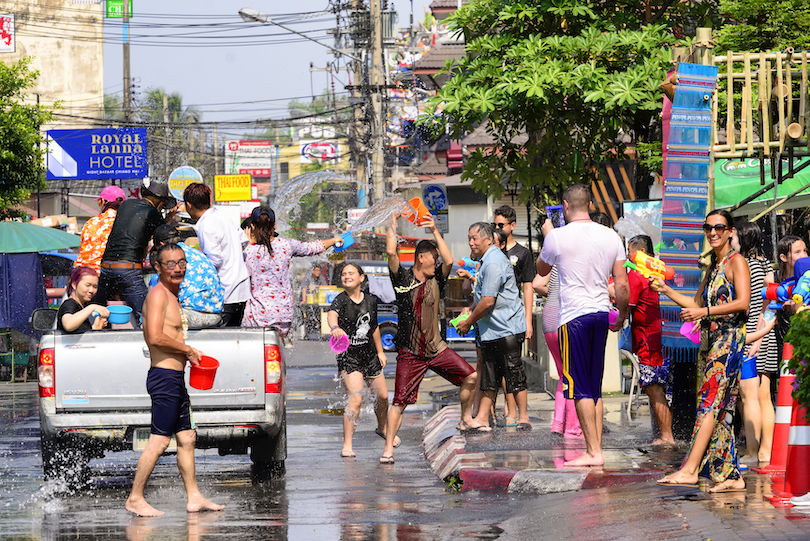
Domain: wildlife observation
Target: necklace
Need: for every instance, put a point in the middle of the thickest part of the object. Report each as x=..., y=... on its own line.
x=581, y=220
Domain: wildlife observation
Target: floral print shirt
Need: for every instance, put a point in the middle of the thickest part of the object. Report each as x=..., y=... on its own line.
x=94, y=240
x=272, y=295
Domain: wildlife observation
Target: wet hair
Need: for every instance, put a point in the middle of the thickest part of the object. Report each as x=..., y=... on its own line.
x=507, y=212
x=355, y=265
x=264, y=222
x=750, y=237
x=783, y=248
x=600, y=217
x=500, y=236
x=112, y=204
x=642, y=243
x=485, y=229
x=198, y=195
x=76, y=276
x=578, y=197
x=426, y=246
x=168, y=247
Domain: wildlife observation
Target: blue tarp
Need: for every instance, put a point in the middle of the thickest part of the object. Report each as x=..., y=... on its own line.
x=22, y=290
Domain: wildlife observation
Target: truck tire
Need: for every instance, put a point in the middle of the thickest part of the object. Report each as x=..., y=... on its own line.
x=64, y=460
x=268, y=454
x=388, y=332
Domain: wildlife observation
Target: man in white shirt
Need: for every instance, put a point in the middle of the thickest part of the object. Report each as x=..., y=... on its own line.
x=220, y=242
x=586, y=255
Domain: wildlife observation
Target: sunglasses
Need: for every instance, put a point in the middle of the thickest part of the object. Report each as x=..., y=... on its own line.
x=720, y=228
x=498, y=226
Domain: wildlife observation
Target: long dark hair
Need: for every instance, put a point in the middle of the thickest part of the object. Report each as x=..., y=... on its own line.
x=710, y=271
x=112, y=204
x=783, y=249
x=264, y=220
x=750, y=237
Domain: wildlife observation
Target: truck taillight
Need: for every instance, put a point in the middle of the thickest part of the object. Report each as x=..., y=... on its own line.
x=272, y=369
x=45, y=375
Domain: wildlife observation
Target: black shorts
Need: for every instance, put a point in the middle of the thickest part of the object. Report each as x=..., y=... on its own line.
x=367, y=364
x=171, y=408
x=502, y=360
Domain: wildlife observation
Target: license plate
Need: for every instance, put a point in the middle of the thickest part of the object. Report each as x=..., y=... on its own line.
x=141, y=438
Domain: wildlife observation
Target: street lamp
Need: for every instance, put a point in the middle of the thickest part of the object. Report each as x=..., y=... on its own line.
x=250, y=15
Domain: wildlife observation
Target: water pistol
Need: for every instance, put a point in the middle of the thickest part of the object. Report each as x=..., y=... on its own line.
x=461, y=317
x=793, y=289
x=469, y=265
x=650, y=266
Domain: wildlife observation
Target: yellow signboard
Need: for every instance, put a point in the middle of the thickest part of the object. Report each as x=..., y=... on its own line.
x=232, y=187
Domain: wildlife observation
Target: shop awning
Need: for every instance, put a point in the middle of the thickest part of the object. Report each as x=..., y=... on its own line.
x=739, y=178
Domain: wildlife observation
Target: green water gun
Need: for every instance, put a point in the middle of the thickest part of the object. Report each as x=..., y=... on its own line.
x=461, y=317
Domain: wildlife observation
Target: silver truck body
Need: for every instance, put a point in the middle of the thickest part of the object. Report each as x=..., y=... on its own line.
x=100, y=401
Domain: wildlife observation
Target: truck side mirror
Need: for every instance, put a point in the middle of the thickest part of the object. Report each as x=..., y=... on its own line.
x=43, y=319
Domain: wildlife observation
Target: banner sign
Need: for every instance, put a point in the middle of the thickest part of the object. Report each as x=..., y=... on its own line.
x=97, y=154
x=180, y=178
x=232, y=188
x=686, y=193
x=253, y=158
x=319, y=152
x=7, y=34
x=115, y=9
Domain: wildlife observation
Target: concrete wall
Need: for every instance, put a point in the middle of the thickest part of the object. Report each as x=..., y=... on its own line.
x=71, y=70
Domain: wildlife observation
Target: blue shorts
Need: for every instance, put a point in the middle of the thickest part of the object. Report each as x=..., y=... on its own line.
x=749, y=368
x=171, y=408
x=582, y=350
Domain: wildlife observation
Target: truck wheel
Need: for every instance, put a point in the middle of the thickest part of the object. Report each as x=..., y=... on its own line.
x=268, y=454
x=63, y=460
x=264, y=470
x=388, y=332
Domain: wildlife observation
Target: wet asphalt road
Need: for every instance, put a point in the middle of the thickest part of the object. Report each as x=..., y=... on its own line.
x=321, y=497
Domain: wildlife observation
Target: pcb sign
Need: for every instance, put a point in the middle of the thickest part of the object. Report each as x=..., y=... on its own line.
x=7, y=40
x=232, y=188
x=97, y=154
x=253, y=158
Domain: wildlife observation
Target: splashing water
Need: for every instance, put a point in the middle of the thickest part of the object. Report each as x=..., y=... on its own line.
x=379, y=214
x=287, y=204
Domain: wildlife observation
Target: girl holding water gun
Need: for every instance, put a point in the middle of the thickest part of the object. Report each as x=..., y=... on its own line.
x=353, y=314
x=789, y=249
x=720, y=303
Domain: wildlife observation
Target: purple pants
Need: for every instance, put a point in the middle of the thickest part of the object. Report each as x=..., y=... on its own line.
x=565, y=420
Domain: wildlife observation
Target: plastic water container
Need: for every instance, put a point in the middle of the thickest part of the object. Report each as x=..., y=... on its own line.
x=119, y=314
x=339, y=345
x=331, y=296
x=202, y=376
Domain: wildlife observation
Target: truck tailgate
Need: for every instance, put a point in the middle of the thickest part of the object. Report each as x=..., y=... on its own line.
x=106, y=370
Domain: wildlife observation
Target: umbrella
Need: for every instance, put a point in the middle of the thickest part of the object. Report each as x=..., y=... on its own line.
x=21, y=238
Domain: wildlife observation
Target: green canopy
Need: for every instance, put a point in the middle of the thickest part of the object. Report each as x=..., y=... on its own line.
x=734, y=180
x=20, y=238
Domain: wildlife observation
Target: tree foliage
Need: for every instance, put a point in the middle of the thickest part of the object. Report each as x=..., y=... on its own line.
x=22, y=148
x=575, y=77
x=760, y=25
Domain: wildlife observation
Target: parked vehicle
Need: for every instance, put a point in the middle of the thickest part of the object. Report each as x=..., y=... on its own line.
x=93, y=399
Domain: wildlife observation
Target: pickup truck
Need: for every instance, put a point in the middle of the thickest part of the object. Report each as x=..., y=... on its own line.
x=93, y=399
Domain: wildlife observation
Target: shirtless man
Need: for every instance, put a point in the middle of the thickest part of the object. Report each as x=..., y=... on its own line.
x=164, y=332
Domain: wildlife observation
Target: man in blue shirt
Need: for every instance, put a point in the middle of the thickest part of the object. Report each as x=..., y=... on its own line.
x=201, y=293
x=499, y=312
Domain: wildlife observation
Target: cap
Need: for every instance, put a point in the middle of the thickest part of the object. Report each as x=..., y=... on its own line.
x=111, y=193
x=258, y=211
x=165, y=233
x=158, y=189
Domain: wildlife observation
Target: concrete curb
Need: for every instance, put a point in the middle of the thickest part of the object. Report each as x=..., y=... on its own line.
x=445, y=452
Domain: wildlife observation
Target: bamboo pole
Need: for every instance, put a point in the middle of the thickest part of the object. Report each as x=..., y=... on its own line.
x=780, y=105
x=730, y=132
x=762, y=88
x=749, y=108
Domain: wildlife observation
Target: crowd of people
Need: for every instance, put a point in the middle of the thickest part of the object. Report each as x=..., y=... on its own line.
x=241, y=277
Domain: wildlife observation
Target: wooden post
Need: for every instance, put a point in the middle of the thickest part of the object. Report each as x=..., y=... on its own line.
x=748, y=109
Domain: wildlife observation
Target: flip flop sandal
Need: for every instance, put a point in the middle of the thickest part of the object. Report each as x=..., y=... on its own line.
x=524, y=427
x=381, y=434
x=509, y=422
x=386, y=459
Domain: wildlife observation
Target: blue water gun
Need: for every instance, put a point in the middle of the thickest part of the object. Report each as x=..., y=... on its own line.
x=469, y=265
x=796, y=289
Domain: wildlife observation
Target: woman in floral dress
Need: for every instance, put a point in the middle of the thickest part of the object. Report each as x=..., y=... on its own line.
x=268, y=263
x=720, y=305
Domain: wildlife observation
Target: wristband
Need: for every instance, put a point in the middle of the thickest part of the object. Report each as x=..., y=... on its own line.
x=707, y=312
x=333, y=327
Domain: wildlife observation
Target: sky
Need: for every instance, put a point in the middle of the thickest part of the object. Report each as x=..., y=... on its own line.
x=226, y=68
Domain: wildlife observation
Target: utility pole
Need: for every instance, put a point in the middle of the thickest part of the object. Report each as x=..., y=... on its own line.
x=359, y=127
x=127, y=78
x=167, y=142
x=377, y=85
x=216, y=150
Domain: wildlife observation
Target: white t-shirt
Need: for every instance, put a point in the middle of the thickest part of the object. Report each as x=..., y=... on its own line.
x=584, y=253
x=219, y=241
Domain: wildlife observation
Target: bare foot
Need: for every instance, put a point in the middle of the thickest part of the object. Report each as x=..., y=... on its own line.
x=662, y=441
x=347, y=453
x=680, y=477
x=729, y=485
x=197, y=503
x=586, y=459
x=141, y=508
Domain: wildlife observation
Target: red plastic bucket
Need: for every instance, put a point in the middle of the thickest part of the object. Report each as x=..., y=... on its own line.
x=202, y=376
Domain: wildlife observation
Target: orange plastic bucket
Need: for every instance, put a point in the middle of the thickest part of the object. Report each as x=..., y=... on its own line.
x=202, y=376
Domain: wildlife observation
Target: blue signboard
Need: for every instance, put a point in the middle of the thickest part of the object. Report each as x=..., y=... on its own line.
x=97, y=154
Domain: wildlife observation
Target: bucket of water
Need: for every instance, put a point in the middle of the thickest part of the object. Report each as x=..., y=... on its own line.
x=348, y=240
x=119, y=314
x=613, y=315
x=339, y=345
x=421, y=213
x=691, y=330
x=202, y=376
